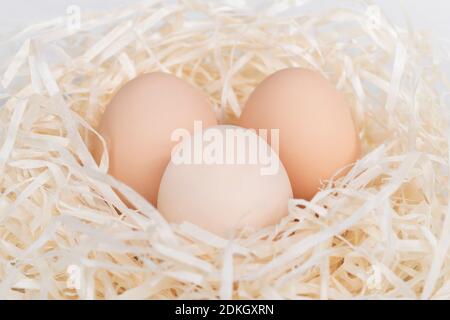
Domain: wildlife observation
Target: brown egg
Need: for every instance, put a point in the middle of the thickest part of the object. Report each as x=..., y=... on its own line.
x=138, y=123
x=317, y=135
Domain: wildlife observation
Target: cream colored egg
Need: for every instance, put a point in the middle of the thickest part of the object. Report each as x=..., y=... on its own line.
x=222, y=179
x=138, y=123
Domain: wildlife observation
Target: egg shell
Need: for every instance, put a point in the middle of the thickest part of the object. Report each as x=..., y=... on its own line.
x=317, y=134
x=138, y=123
x=225, y=197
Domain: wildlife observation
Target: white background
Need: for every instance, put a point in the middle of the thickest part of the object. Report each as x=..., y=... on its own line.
x=15, y=14
x=429, y=15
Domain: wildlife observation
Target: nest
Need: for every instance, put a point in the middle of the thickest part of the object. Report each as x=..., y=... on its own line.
x=382, y=231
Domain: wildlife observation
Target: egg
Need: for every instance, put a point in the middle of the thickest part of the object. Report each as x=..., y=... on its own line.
x=317, y=134
x=224, y=178
x=138, y=123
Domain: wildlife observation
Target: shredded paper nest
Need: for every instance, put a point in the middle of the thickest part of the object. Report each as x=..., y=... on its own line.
x=380, y=232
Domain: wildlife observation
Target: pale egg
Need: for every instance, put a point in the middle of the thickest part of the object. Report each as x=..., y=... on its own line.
x=223, y=179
